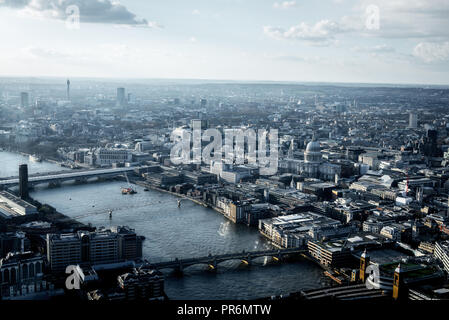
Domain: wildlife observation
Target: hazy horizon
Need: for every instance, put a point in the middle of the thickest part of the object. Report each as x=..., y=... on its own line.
x=226, y=81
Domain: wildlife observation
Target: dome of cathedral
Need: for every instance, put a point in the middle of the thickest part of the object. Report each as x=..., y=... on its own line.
x=313, y=146
x=313, y=151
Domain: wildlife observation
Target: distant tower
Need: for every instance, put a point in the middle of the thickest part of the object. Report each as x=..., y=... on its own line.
x=447, y=212
x=120, y=97
x=364, y=262
x=68, y=90
x=24, y=99
x=23, y=181
x=290, y=150
x=419, y=195
x=398, y=283
x=413, y=120
x=266, y=194
x=336, y=178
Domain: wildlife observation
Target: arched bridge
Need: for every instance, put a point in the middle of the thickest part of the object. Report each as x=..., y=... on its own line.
x=213, y=260
x=58, y=178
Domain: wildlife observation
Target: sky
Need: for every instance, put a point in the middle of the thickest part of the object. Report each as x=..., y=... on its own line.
x=367, y=41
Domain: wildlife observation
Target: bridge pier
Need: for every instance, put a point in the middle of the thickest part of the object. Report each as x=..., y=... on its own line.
x=54, y=184
x=80, y=180
x=213, y=265
x=179, y=269
x=278, y=257
x=247, y=260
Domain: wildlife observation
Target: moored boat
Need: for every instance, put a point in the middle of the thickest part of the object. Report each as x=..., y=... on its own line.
x=128, y=190
x=35, y=158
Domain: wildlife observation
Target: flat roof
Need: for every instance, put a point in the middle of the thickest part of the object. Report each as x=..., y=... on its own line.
x=9, y=196
x=386, y=256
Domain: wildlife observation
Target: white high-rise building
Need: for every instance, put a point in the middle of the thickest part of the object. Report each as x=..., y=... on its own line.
x=121, y=97
x=24, y=99
x=413, y=120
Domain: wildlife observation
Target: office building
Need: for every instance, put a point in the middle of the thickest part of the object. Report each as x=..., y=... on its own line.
x=296, y=229
x=12, y=206
x=68, y=90
x=13, y=242
x=142, y=285
x=441, y=252
x=24, y=99
x=63, y=250
x=199, y=124
x=413, y=120
x=109, y=156
x=121, y=99
x=105, y=246
x=21, y=274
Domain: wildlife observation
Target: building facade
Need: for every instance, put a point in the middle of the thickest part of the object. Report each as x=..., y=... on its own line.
x=105, y=246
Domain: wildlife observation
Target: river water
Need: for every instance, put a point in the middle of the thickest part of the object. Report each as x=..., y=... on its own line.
x=173, y=232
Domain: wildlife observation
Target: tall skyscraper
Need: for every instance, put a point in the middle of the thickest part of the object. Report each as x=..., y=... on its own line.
x=413, y=120
x=23, y=181
x=121, y=97
x=68, y=89
x=24, y=99
x=199, y=124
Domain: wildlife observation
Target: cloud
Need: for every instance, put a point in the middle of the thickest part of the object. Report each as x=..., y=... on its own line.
x=196, y=12
x=398, y=19
x=431, y=52
x=322, y=33
x=91, y=11
x=284, y=4
x=107, y=54
x=154, y=24
x=382, y=48
x=39, y=52
x=313, y=60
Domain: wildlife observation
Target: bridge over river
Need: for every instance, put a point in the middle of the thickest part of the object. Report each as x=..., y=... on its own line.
x=213, y=260
x=79, y=176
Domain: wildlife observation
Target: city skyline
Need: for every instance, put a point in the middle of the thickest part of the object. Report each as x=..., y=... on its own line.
x=292, y=41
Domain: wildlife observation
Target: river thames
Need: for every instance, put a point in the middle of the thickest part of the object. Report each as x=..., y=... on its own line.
x=173, y=232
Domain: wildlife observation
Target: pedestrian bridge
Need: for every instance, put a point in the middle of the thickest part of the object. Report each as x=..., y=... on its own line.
x=213, y=260
x=80, y=176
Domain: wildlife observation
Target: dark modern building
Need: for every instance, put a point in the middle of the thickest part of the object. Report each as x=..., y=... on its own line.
x=23, y=181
